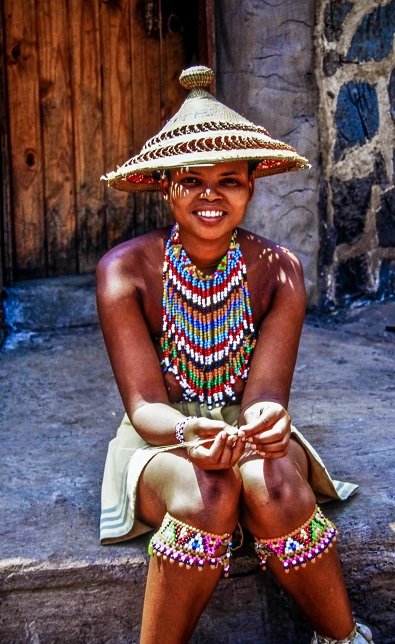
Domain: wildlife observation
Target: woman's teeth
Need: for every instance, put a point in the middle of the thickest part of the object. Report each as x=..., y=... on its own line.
x=210, y=213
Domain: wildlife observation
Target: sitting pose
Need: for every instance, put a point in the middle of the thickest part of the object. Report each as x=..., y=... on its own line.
x=202, y=322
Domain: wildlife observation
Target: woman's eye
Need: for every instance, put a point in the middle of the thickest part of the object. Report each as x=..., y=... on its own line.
x=189, y=181
x=230, y=181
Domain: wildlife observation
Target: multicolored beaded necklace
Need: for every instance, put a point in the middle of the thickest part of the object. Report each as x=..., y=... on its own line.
x=208, y=334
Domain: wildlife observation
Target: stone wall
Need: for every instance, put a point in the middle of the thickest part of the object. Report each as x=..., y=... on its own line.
x=321, y=76
x=265, y=70
x=355, y=67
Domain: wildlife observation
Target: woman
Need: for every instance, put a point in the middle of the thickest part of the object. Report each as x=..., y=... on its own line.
x=202, y=322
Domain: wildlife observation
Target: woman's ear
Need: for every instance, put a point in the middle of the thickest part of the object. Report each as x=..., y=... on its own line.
x=251, y=187
x=165, y=187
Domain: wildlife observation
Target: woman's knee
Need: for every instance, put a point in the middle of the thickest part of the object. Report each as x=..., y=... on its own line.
x=209, y=500
x=276, y=497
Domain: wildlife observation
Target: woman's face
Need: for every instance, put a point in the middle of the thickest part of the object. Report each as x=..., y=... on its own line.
x=209, y=200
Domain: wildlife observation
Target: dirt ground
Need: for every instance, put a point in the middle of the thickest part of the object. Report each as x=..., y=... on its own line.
x=59, y=407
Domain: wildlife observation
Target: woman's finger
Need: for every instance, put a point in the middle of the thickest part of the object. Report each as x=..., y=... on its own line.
x=204, y=428
x=237, y=451
x=269, y=416
x=278, y=433
x=272, y=448
x=224, y=452
x=209, y=451
x=272, y=455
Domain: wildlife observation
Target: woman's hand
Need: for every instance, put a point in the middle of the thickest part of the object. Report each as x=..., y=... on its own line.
x=221, y=449
x=267, y=429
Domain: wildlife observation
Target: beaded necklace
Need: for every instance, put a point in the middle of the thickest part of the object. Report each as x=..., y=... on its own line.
x=207, y=334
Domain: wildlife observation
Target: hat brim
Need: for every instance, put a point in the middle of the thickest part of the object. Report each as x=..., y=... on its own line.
x=146, y=179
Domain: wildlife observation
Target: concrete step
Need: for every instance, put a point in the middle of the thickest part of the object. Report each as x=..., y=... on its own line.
x=59, y=407
x=51, y=304
x=82, y=601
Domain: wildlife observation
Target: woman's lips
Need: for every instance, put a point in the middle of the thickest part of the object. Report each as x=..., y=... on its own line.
x=209, y=214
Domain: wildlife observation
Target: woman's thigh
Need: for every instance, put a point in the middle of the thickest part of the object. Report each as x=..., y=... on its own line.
x=276, y=496
x=170, y=483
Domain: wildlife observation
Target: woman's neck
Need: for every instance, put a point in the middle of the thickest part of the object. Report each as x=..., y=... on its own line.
x=206, y=255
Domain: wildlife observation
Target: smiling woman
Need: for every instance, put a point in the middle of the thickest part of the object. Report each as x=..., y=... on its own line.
x=202, y=322
x=208, y=202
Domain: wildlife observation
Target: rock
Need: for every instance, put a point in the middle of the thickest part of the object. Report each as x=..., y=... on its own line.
x=335, y=13
x=356, y=116
x=374, y=35
x=385, y=219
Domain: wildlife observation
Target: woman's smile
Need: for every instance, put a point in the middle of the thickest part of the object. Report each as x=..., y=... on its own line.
x=210, y=214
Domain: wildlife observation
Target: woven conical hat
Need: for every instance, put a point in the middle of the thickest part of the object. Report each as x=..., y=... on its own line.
x=204, y=132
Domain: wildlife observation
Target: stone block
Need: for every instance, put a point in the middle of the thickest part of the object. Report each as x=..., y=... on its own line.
x=374, y=35
x=387, y=279
x=331, y=63
x=356, y=116
x=335, y=13
x=391, y=94
x=351, y=279
x=350, y=201
x=385, y=220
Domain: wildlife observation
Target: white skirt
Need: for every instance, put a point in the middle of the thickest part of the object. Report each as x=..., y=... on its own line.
x=128, y=454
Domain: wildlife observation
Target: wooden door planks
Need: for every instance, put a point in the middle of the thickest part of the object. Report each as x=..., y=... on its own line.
x=25, y=137
x=88, y=83
x=146, y=103
x=88, y=131
x=117, y=111
x=146, y=64
x=173, y=59
x=6, y=234
x=57, y=136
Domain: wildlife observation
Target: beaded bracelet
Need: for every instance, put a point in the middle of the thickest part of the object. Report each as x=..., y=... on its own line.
x=180, y=426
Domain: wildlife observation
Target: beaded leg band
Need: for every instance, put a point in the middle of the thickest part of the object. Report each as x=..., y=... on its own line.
x=306, y=543
x=180, y=542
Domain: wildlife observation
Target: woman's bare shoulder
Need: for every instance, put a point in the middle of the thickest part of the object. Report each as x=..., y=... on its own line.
x=131, y=254
x=267, y=254
x=132, y=263
x=275, y=275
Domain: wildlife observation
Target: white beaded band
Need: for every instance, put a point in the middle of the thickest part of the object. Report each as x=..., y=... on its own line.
x=179, y=429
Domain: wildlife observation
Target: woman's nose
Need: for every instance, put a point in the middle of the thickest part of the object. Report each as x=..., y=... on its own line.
x=209, y=193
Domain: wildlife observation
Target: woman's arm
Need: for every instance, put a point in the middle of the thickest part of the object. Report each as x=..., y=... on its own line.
x=264, y=419
x=135, y=363
x=128, y=341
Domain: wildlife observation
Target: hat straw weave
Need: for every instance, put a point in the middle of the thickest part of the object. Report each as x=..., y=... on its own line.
x=204, y=132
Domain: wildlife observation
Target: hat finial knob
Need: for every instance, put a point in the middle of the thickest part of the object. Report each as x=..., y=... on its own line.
x=196, y=77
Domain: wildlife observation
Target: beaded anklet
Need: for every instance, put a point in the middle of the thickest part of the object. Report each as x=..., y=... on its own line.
x=184, y=544
x=306, y=543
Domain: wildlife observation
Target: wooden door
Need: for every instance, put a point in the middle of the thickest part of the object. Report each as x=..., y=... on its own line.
x=86, y=83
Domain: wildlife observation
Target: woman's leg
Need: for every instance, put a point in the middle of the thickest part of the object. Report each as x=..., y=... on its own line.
x=207, y=500
x=276, y=500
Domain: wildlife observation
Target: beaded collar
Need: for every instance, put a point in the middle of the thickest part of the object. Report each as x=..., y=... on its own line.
x=207, y=331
